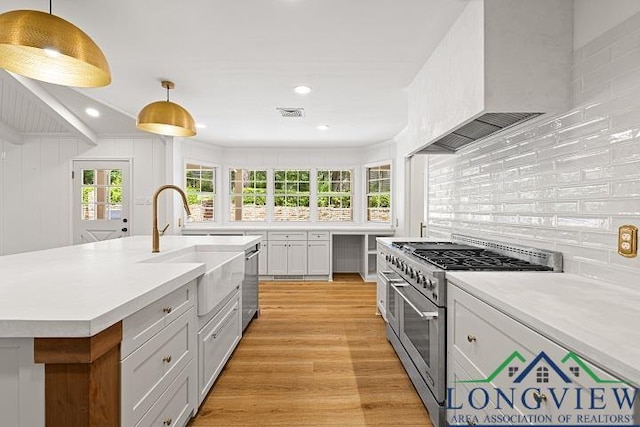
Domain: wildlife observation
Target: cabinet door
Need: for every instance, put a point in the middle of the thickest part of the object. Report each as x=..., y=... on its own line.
x=277, y=259
x=297, y=258
x=318, y=257
x=262, y=260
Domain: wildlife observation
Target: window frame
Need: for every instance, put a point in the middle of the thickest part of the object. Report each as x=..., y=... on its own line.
x=216, y=185
x=351, y=194
x=366, y=193
x=310, y=196
x=268, y=195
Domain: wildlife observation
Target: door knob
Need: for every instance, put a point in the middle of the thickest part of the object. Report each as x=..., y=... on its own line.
x=125, y=220
x=125, y=229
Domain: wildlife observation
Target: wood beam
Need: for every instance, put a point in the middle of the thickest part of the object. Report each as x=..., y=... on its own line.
x=8, y=133
x=51, y=103
x=81, y=379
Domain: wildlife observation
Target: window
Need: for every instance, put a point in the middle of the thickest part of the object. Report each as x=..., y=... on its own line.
x=291, y=195
x=379, y=193
x=201, y=190
x=334, y=195
x=101, y=194
x=248, y=195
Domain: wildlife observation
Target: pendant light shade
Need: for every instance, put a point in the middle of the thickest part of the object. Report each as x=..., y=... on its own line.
x=166, y=117
x=45, y=47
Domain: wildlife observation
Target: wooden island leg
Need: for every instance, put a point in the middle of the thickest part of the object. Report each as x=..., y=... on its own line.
x=82, y=379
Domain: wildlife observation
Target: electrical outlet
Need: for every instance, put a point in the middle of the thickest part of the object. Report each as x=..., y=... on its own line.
x=628, y=241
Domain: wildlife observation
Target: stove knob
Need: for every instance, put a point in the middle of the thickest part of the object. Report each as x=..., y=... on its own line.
x=419, y=277
x=411, y=273
x=429, y=283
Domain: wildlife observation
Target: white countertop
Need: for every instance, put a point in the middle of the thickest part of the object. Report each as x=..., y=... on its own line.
x=389, y=240
x=78, y=291
x=335, y=228
x=597, y=320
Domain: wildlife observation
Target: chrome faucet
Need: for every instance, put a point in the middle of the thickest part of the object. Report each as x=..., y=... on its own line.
x=156, y=232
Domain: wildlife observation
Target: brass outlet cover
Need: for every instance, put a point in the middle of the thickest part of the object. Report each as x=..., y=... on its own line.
x=628, y=241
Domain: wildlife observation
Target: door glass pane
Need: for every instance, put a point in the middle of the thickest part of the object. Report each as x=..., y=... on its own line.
x=101, y=194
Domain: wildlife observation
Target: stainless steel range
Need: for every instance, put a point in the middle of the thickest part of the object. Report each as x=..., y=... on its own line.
x=416, y=284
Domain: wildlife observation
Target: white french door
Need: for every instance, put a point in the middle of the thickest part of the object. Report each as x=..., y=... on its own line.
x=101, y=200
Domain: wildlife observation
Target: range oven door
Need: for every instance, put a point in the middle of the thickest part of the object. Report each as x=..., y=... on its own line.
x=422, y=334
x=393, y=302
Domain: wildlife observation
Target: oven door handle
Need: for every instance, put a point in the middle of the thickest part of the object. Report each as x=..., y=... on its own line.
x=426, y=315
x=389, y=279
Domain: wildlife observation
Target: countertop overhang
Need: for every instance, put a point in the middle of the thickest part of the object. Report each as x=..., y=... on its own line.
x=597, y=320
x=80, y=290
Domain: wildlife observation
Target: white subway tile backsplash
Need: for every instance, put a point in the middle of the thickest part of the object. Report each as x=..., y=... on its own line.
x=557, y=207
x=626, y=189
x=582, y=254
x=582, y=192
x=629, y=206
x=601, y=223
x=563, y=182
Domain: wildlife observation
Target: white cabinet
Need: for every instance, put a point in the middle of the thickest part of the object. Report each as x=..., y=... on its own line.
x=287, y=253
x=318, y=257
x=488, y=348
x=158, y=355
x=381, y=286
x=216, y=342
x=21, y=384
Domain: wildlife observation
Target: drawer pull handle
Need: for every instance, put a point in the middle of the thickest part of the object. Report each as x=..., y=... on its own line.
x=167, y=422
x=539, y=397
x=167, y=310
x=471, y=338
x=166, y=359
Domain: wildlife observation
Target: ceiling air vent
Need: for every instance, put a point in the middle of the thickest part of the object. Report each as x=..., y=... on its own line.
x=291, y=112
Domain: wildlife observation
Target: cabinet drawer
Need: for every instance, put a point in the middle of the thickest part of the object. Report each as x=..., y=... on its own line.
x=287, y=235
x=149, y=370
x=176, y=405
x=318, y=235
x=262, y=234
x=216, y=342
x=485, y=337
x=144, y=324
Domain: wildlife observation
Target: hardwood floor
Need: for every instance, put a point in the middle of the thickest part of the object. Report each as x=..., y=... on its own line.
x=317, y=356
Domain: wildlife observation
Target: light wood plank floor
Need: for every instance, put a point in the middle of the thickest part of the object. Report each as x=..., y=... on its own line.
x=317, y=356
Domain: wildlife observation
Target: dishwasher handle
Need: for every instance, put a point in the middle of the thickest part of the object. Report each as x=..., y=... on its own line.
x=251, y=255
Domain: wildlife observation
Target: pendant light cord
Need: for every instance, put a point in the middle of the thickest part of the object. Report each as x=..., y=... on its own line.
x=167, y=93
x=50, y=7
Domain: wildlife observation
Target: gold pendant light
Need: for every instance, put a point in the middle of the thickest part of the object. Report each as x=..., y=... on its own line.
x=45, y=47
x=166, y=117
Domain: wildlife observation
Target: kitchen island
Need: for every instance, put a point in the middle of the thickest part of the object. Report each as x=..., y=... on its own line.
x=65, y=307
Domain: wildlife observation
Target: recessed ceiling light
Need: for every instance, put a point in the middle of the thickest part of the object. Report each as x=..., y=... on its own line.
x=323, y=127
x=302, y=89
x=200, y=126
x=92, y=112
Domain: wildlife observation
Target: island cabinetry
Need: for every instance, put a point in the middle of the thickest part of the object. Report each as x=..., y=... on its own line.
x=21, y=384
x=158, y=363
x=216, y=341
x=287, y=253
x=318, y=253
x=82, y=381
x=488, y=348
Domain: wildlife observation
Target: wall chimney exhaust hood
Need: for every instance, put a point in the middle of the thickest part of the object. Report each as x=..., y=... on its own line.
x=503, y=62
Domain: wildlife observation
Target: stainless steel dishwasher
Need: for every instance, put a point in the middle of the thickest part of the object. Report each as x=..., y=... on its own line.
x=250, y=285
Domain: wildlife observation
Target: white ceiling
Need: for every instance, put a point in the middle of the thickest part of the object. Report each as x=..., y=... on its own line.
x=235, y=61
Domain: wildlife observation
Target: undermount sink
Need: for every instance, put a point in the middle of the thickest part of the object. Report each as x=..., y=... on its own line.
x=223, y=272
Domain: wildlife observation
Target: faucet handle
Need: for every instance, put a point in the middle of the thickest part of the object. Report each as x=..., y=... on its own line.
x=164, y=229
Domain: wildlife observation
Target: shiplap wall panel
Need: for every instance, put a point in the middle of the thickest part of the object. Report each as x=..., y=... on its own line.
x=36, y=187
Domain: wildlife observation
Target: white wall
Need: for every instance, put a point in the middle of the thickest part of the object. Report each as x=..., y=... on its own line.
x=566, y=182
x=594, y=17
x=36, y=187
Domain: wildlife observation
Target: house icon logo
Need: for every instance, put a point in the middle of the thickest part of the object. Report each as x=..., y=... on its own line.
x=543, y=368
x=544, y=390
